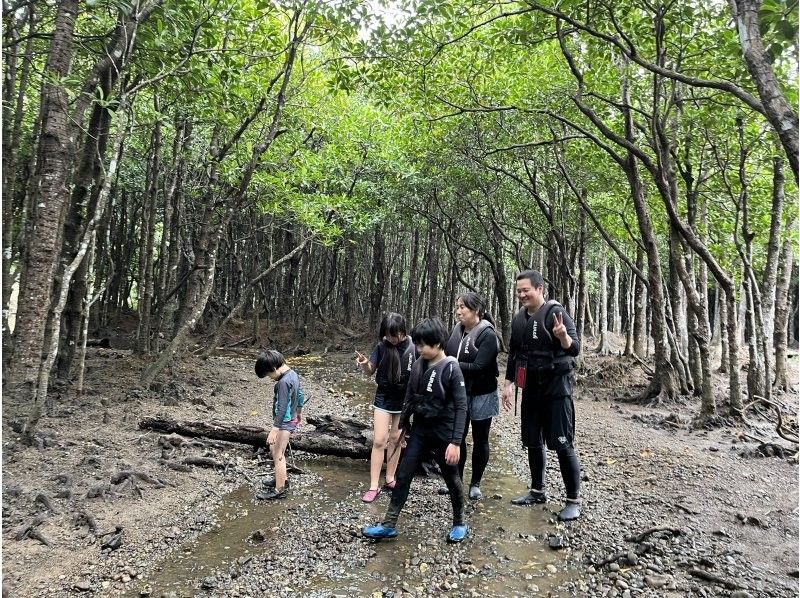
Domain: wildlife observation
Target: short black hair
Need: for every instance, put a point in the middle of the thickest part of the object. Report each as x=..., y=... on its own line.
x=535, y=277
x=269, y=361
x=429, y=331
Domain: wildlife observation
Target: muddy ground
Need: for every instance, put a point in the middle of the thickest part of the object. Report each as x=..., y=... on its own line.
x=668, y=510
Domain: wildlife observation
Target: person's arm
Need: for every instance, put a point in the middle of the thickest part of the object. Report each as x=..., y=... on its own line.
x=487, y=353
x=564, y=331
x=282, y=402
x=367, y=365
x=513, y=349
x=405, y=414
x=511, y=373
x=459, y=396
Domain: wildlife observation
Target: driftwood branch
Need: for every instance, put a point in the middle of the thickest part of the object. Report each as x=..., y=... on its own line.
x=339, y=437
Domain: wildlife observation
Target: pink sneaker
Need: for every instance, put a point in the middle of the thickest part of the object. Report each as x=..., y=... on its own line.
x=390, y=485
x=370, y=495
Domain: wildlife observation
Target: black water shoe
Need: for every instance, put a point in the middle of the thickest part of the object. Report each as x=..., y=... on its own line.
x=443, y=490
x=530, y=498
x=270, y=483
x=272, y=494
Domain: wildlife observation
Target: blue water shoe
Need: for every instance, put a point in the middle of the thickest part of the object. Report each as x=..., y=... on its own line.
x=378, y=532
x=458, y=533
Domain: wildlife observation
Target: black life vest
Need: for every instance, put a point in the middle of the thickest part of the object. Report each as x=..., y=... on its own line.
x=538, y=347
x=428, y=397
x=407, y=357
x=464, y=346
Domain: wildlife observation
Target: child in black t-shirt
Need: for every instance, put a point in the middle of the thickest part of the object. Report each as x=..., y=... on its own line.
x=436, y=400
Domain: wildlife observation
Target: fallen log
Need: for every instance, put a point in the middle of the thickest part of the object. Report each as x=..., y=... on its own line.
x=339, y=437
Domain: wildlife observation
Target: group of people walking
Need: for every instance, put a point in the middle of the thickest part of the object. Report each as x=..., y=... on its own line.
x=434, y=386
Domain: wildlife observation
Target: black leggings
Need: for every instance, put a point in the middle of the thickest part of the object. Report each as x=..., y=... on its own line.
x=567, y=463
x=416, y=451
x=480, y=449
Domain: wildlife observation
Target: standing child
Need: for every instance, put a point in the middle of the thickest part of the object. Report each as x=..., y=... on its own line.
x=392, y=358
x=287, y=408
x=437, y=400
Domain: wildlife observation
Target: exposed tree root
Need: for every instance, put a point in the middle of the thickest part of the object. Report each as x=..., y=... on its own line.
x=30, y=530
x=779, y=427
x=714, y=578
x=659, y=528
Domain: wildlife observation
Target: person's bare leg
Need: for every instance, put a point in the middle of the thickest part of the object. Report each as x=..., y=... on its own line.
x=380, y=436
x=393, y=451
x=279, y=458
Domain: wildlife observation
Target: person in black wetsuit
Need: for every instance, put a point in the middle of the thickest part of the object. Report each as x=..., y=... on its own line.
x=435, y=409
x=390, y=361
x=540, y=361
x=474, y=343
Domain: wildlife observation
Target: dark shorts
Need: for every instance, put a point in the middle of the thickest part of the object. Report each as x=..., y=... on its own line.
x=389, y=402
x=548, y=421
x=289, y=426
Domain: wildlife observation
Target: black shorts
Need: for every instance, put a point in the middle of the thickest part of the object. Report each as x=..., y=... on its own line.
x=391, y=402
x=547, y=420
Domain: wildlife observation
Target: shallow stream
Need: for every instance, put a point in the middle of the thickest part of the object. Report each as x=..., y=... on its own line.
x=506, y=553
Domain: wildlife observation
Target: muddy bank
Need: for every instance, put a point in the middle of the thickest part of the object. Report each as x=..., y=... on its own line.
x=666, y=511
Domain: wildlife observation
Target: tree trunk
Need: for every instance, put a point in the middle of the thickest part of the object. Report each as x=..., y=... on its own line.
x=377, y=278
x=603, y=348
x=349, y=283
x=616, y=320
x=413, y=280
x=86, y=185
x=199, y=286
x=782, y=381
x=777, y=108
x=699, y=331
x=580, y=312
x=247, y=294
x=768, y=282
x=87, y=241
x=639, y=309
x=147, y=243
x=722, y=308
x=50, y=199
x=12, y=133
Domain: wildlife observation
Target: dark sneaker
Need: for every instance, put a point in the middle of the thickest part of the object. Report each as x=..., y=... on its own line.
x=475, y=493
x=378, y=532
x=443, y=490
x=270, y=483
x=570, y=512
x=272, y=494
x=458, y=533
x=530, y=498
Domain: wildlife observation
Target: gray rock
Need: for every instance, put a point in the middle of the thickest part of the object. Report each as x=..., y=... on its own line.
x=556, y=542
